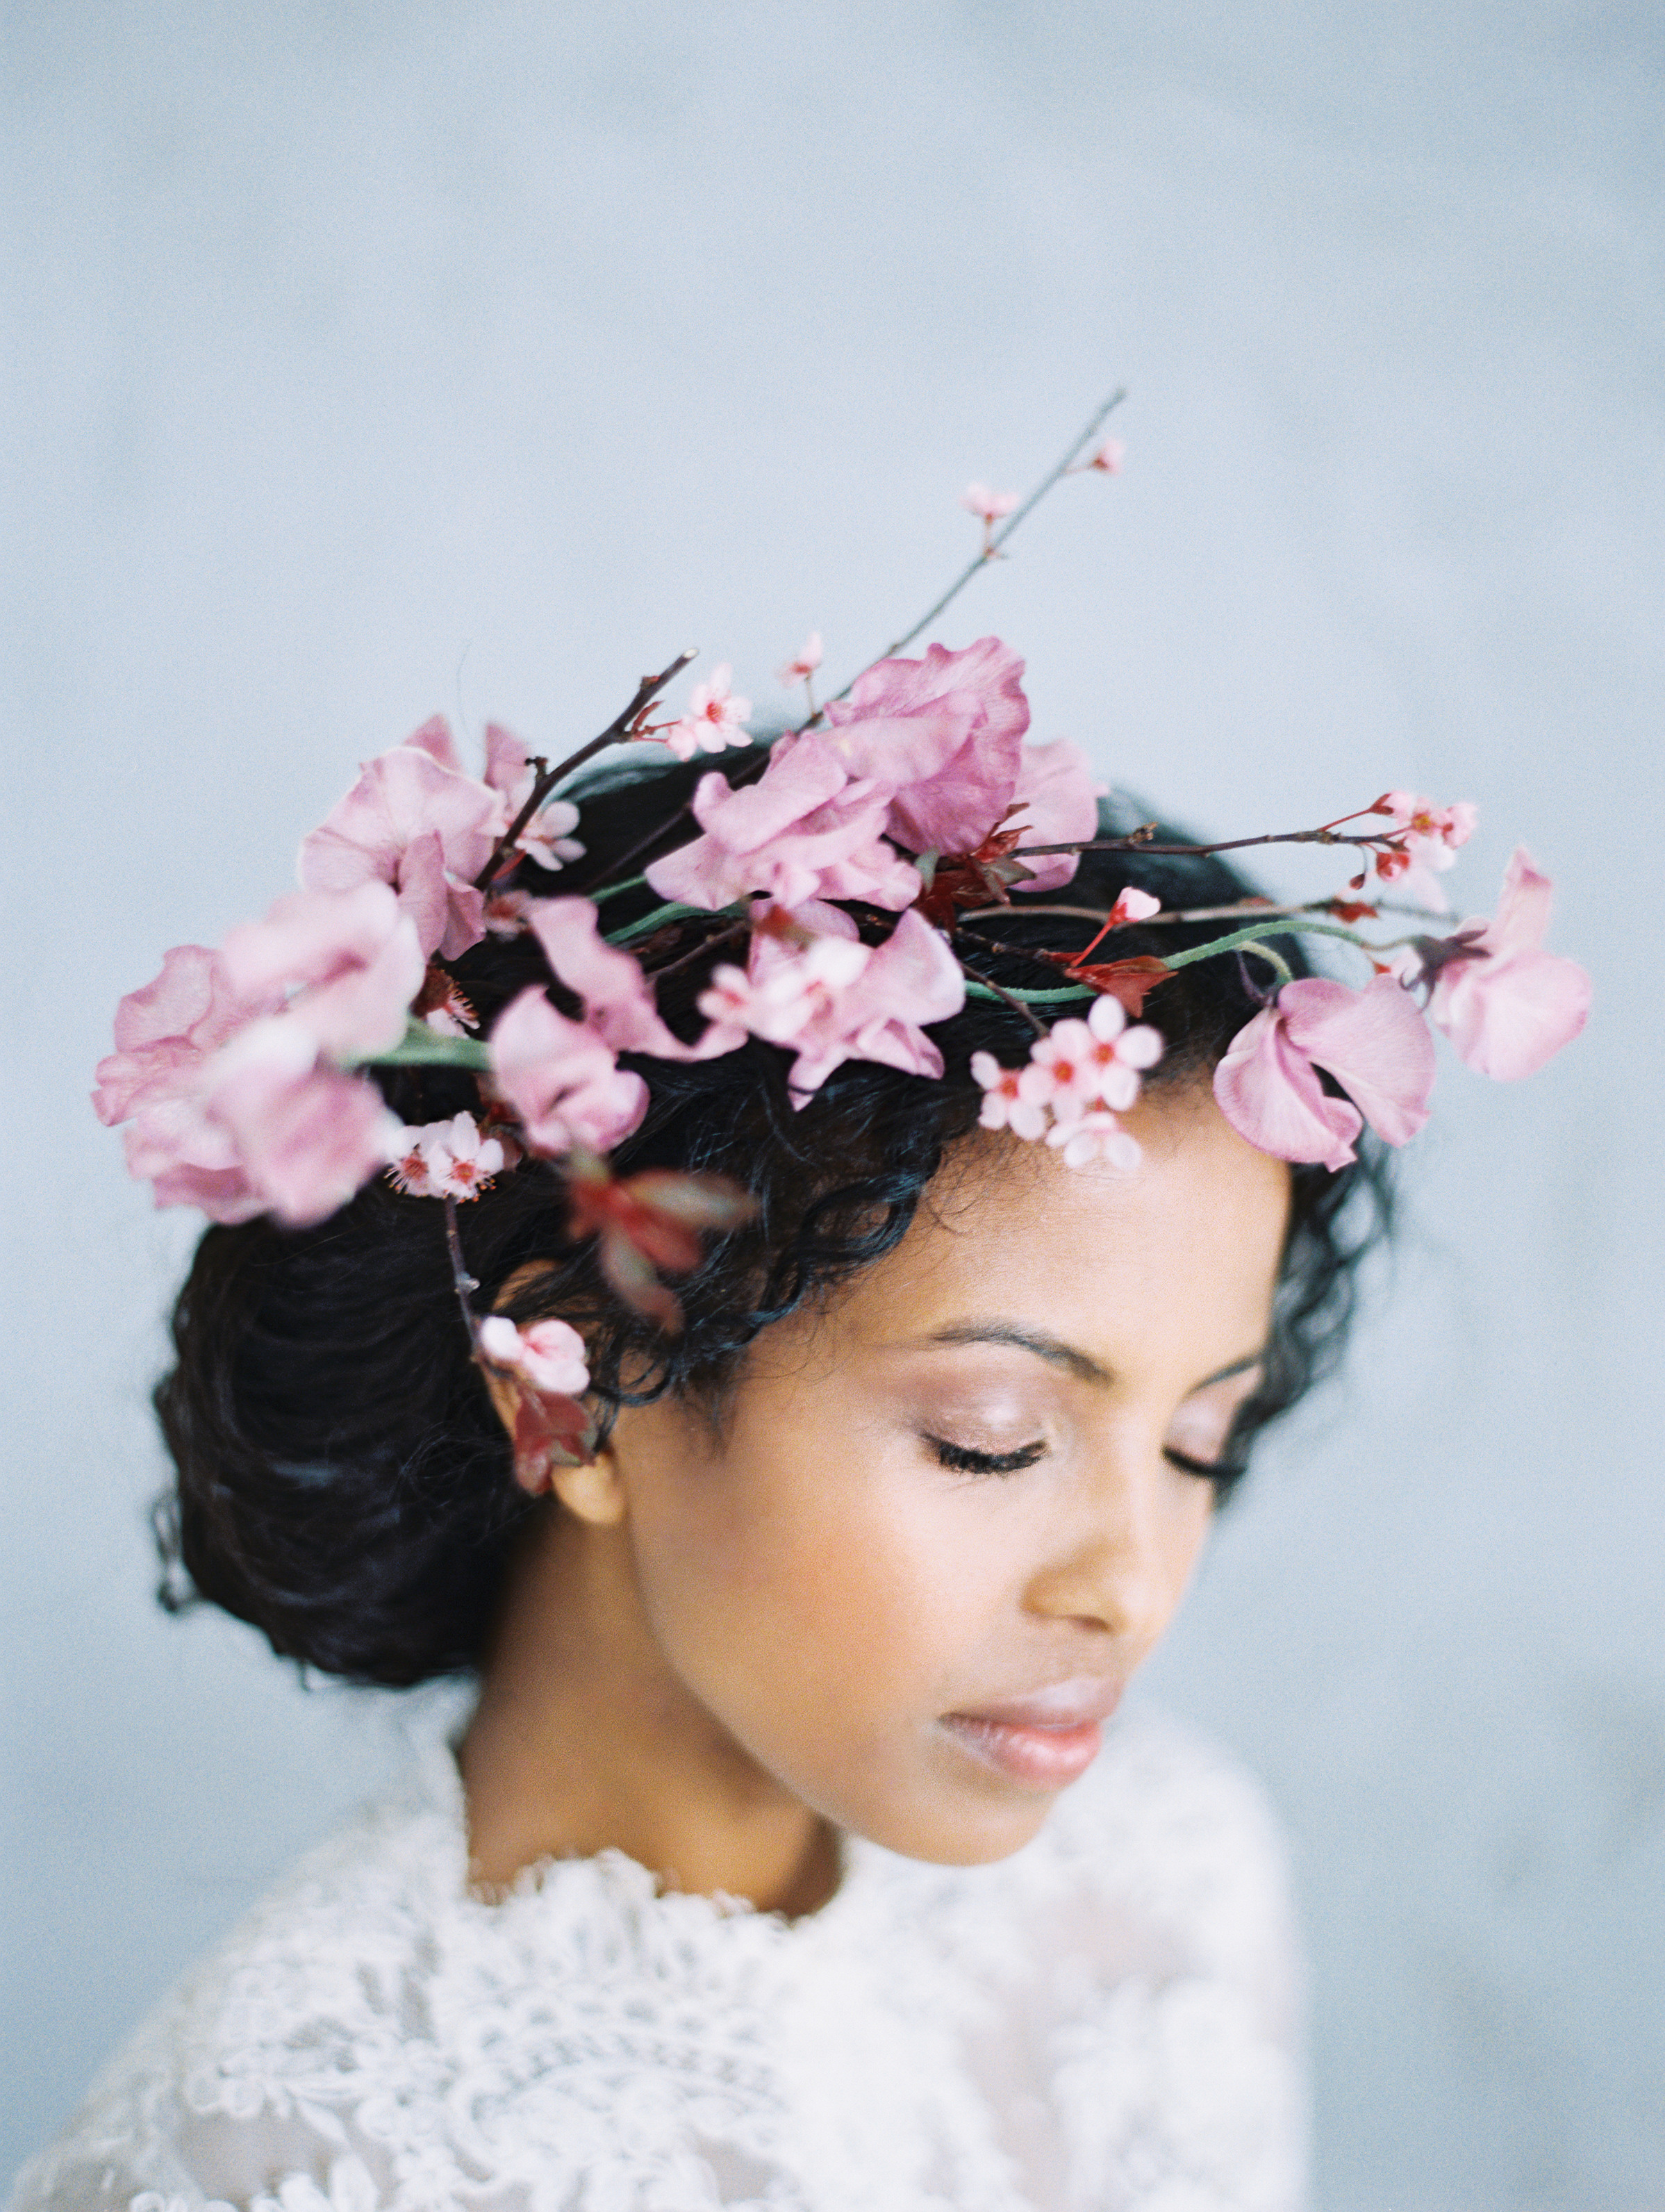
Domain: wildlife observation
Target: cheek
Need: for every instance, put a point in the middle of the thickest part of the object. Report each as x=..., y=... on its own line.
x=819, y=1609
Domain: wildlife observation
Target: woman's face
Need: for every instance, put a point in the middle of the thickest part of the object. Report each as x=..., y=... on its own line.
x=948, y=1517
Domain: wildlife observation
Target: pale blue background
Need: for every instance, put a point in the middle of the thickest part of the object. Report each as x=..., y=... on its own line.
x=368, y=360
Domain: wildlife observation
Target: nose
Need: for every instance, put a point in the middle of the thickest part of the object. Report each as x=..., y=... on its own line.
x=1122, y=1564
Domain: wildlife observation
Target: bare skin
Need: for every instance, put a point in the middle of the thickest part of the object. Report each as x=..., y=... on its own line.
x=721, y=1649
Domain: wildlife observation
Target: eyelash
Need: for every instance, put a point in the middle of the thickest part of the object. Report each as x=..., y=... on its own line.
x=1222, y=1472
x=963, y=1460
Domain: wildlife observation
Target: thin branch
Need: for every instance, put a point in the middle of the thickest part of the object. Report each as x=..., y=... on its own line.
x=617, y=730
x=988, y=552
x=461, y=1281
x=706, y=943
x=1243, y=910
x=1135, y=843
x=983, y=988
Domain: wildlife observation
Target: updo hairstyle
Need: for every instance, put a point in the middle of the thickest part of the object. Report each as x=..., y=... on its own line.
x=343, y=1482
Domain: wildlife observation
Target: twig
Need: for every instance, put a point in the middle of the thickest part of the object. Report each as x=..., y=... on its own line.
x=1135, y=843
x=461, y=1281
x=1245, y=911
x=987, y=553
x=647, y=690
x=982, y=987
x=705, y=944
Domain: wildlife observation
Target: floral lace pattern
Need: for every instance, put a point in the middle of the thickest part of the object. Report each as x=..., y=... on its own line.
x=1107, y=2020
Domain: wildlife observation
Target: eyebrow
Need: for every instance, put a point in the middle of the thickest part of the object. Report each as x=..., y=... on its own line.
x=1069, y=1356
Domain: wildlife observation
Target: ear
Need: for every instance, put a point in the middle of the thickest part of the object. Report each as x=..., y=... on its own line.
x=592, y=1492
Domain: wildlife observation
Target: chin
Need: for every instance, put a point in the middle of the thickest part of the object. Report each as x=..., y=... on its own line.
x=957, y=1834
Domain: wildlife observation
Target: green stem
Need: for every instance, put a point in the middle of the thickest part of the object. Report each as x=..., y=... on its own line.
x=612, y=890
x=421, y=1047
x=674, y=911
x=1259, y=930
x=977, y=990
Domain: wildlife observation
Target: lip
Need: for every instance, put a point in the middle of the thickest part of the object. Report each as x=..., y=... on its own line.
x=1044, y=1741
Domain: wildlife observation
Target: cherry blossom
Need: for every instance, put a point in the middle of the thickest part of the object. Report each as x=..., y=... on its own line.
x=785, y=995
x=550, y=1354
x=1107, y=457
x=1064, y=1072
x=306, y=1135
x=415, y=822
x=618, y=1002
x=988, y=507
x=874, y=1010
x=1004, y=1106
x=807, y=659
x=547, y=838
x=561, y=1080
x=447, y=1159
x=806, y=828
x=713, y=721
x=1426, y=840
x=1118, y=1054
x=1096, y=1138
x=1375, y=1043
x=1131, y=905
x=1510, y=1006
x=347, y=963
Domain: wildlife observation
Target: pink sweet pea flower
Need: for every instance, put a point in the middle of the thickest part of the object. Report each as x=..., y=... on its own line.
x=1004, y=1106
x=166, y=1032
x=1096, y=1138
x=561, y=1080
x=416, y=823
x=1375, y=1043
x=550, y=1354
x=167, y=1035
x=988, y=507
x=808, y=659
x=714, y=720
x=805, y=829
x=1059, y=796
x=618, y=1002
x=351, y=960
x=945, y=737
x=447, y=1159
x=1510, y=1012
x=306, y=1136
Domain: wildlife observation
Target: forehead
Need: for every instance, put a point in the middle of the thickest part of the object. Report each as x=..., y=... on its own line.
x=1172, y=1265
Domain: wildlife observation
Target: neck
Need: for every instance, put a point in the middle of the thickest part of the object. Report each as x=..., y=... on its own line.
x=585, y=1739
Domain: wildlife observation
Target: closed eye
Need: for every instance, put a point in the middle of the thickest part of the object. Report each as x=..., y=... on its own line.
x=964, y=1461
x=1222, y=1472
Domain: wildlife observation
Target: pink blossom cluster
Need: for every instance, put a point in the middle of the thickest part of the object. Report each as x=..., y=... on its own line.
x=1078, y=1077
x=240, y=1073
x=924, y=756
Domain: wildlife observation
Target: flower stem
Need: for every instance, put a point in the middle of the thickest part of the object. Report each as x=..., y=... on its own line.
x=992, y=541
x=1258, y=931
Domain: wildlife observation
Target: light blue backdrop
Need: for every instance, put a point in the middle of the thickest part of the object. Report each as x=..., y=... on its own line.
x=372, y=360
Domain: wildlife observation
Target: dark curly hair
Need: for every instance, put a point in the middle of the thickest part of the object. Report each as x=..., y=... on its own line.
x=343, y=1482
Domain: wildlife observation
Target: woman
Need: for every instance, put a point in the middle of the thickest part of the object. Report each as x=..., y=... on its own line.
x=791, y=1854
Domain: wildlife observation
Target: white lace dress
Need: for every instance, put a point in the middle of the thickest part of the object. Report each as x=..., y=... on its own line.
x=1106, y=2020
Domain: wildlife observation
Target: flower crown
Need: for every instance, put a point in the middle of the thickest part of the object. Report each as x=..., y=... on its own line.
x=912, y=795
